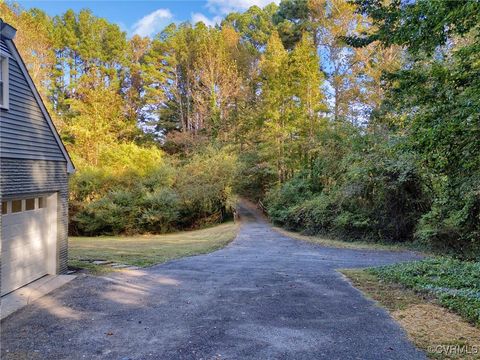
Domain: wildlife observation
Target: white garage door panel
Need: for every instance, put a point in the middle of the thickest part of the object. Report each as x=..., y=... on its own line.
x=26, y=239
x=23, y=255
x=20, y=276
x=28, y=245
x=20, y=230
x=19, y=237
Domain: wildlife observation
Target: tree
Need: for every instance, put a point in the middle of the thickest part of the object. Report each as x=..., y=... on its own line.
x=254, y=25
x=193, y=79
x=353, y=74
x=308, y=99
x=217, y=82
x=275, y=96
x=435, y=104
x=84, y=44
x=96, y=121
x=293, y=19
x=35, y=43
x=133, y=79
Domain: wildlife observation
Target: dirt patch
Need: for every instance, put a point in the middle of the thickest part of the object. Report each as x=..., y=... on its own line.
x=432, y=327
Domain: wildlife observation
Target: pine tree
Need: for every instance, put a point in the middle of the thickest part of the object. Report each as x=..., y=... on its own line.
x=308, y=98
x=274, y=100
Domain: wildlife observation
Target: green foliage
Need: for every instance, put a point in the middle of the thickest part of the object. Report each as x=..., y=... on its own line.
x=455, y=283
x=421, y=25
x=438, y=97
x=159, y=211
x=291, y=105
x=379, y=195
x=281, y=199
x=254, y=25
x=255, y=176
x=382, y=197
x=131, y=158
x=293, y=19
x=157, y=199
x=314, y=215
x=268, y=104
x=114, y=213
x=447, y=227
x=205, y=185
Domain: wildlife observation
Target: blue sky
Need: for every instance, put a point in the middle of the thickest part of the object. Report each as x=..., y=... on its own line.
x=149, y=17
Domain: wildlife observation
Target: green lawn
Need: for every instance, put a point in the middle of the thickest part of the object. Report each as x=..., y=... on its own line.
x=146, y=250
x=430, y=326
x=454, y=283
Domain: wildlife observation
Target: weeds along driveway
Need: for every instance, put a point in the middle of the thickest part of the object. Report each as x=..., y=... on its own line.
x=265, y=296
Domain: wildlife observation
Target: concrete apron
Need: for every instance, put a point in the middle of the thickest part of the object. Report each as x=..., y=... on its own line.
x=27, y=294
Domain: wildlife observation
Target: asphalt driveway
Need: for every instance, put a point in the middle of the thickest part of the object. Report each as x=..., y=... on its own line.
x=265, y=296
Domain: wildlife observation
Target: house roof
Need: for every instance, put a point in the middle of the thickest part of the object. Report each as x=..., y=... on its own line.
x=7, y=33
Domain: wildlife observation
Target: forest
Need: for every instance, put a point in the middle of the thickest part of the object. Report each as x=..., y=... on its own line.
x=354, y=119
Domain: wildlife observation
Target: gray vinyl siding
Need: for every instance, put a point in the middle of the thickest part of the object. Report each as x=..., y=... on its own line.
x=20, y=177
x=4, y=47
x=31, y=160
x=24, y=132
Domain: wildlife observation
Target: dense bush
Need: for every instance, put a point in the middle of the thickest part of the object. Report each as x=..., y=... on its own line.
x=381, y=197
x=282, y=199
x=113, y=213
x=313, y=216
x=144, y=196
x=453, y=226
x=256, y=176
x=378, y=197
x=204, y=184
x=159, y=211
x=380, y=192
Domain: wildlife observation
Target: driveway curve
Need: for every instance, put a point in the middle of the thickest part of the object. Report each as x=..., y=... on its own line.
x=264, y=296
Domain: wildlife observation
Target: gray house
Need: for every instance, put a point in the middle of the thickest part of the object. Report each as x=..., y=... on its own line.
x=34, y=168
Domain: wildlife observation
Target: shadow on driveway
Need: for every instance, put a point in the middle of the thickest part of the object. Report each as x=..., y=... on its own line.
x=264, y=296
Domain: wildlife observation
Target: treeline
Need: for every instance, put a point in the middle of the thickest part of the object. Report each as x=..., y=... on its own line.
x=350, y=118
x=412, y=173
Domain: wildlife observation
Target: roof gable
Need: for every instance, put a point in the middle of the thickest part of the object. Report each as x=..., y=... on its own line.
x=14, y=54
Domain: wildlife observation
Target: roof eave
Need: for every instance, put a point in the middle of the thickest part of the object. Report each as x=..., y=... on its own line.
x=7, y=31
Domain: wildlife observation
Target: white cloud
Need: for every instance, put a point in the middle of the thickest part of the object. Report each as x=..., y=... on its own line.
x=224, y=7
x=197, y=17
x=152, y=23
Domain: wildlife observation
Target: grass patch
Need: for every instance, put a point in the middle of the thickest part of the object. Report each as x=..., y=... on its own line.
x=439, y=332
x=454, y=283
x=146, y=250
x=359, y=245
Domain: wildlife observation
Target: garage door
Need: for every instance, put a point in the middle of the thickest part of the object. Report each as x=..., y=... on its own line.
x=26, y=240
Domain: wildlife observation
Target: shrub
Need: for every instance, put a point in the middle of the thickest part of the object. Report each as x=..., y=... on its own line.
x=204, y=185
x=156, y=197
x=281, y=200
x=89, y=184
x=381, y=197
x=130, y=158
x=159, y=211
x=313, y=216
x=112, y=214
x=453, y=225
x=378, y=197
